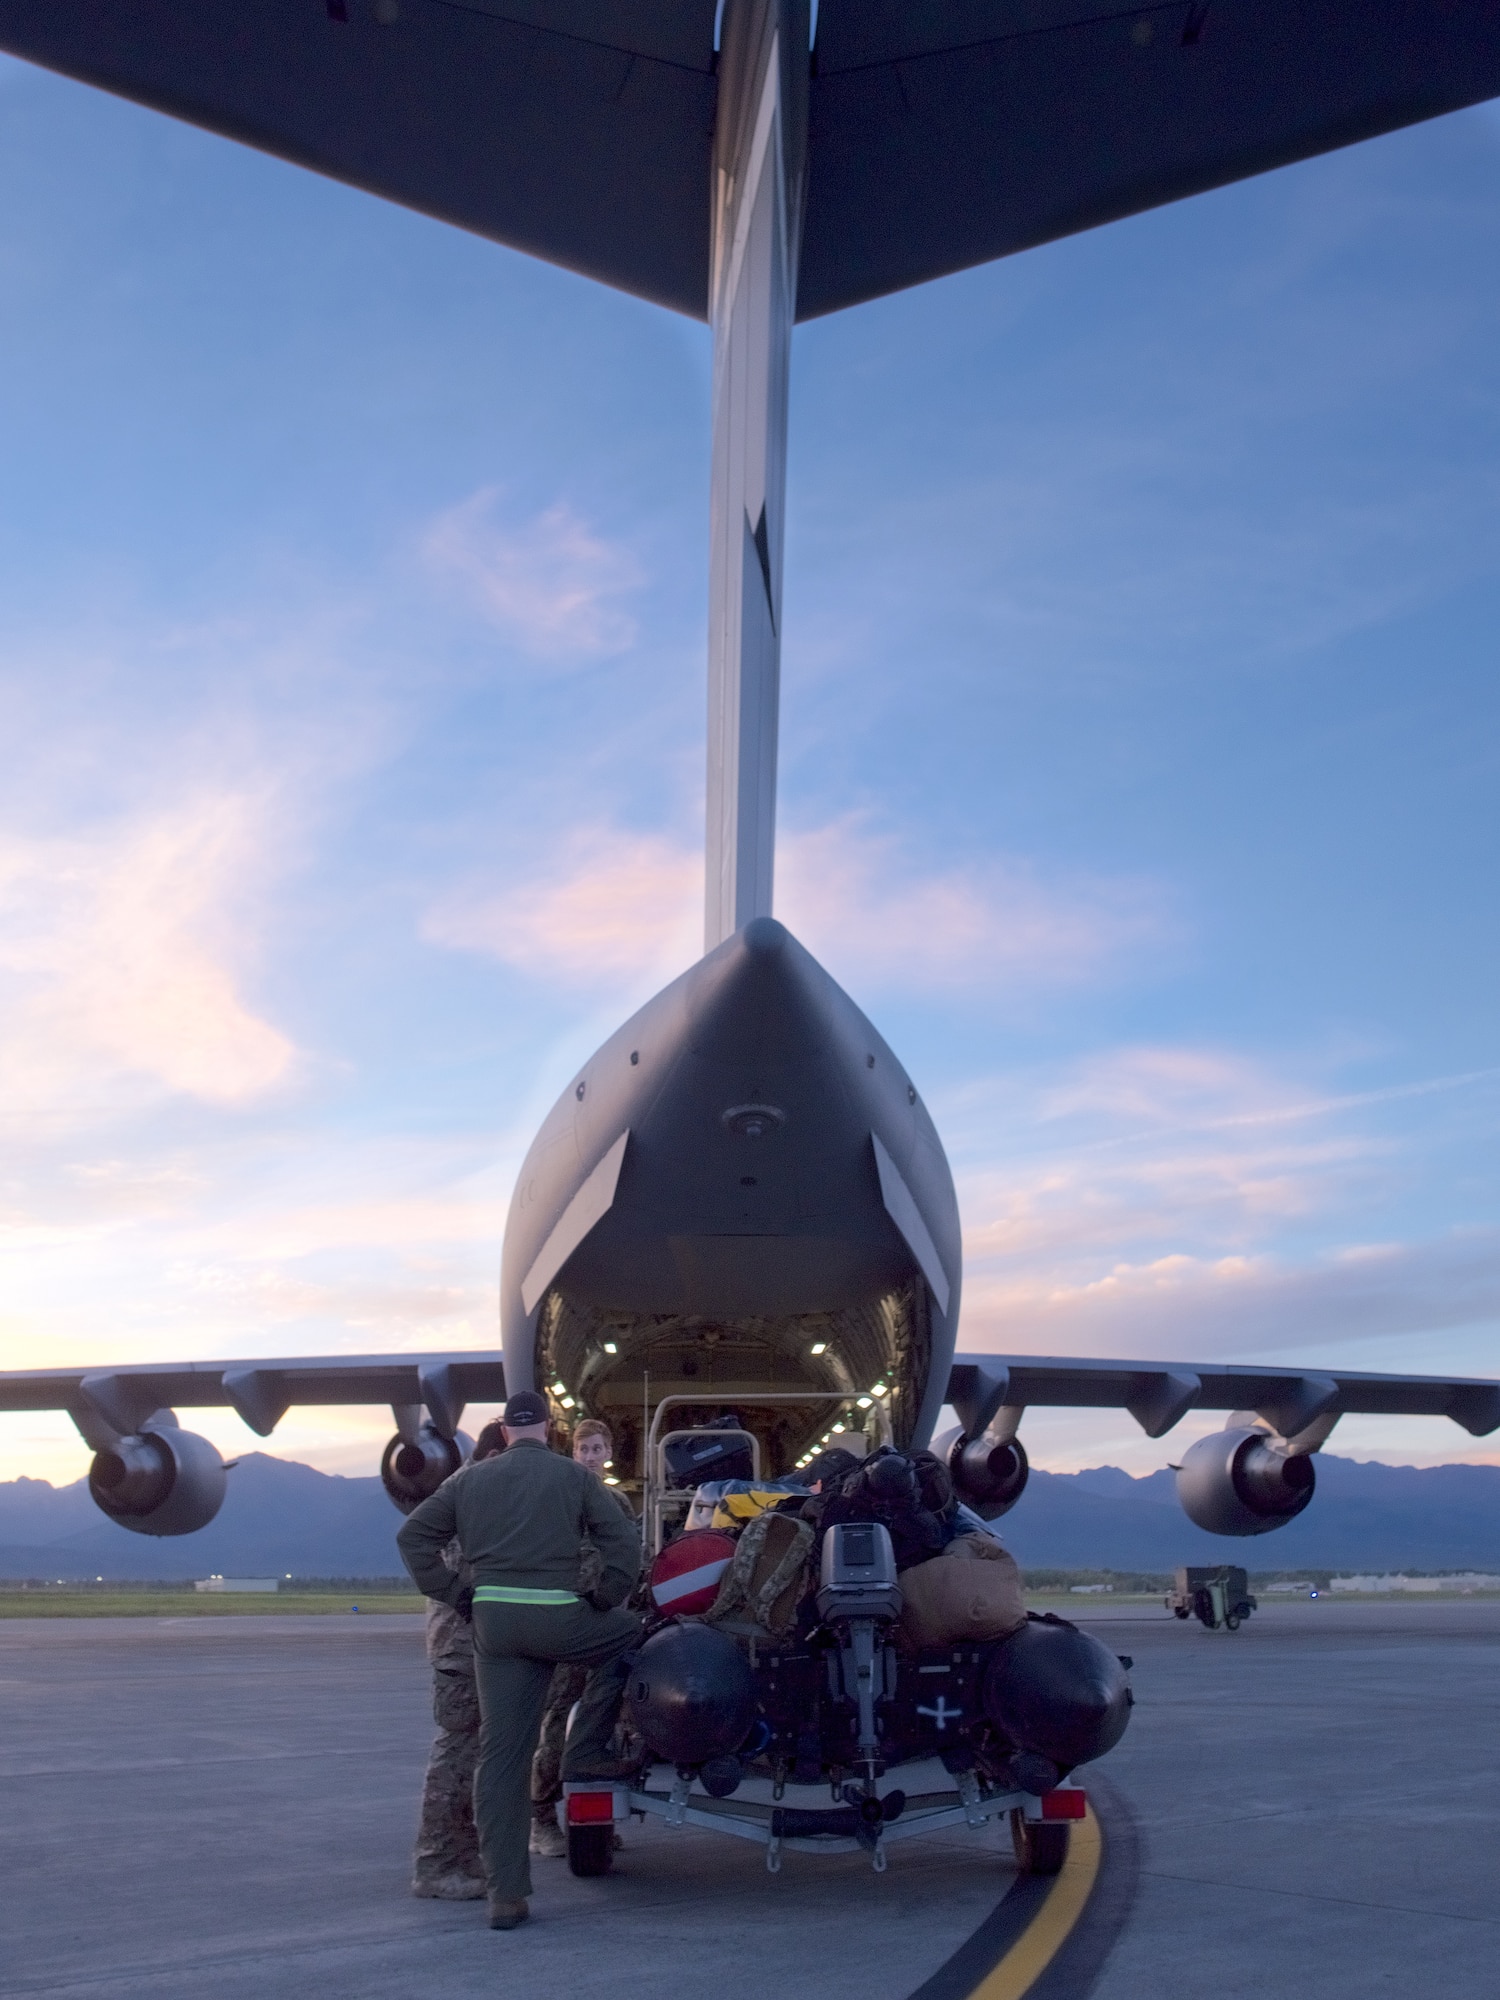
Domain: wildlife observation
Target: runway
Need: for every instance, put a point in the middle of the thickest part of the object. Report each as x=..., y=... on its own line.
x=228, y=1804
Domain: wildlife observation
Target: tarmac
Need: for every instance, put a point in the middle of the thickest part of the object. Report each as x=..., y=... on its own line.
x=196, y=1804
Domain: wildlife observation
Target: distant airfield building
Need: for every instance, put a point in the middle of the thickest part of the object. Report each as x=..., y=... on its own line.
x=237, y=1583
x=1466, y=1584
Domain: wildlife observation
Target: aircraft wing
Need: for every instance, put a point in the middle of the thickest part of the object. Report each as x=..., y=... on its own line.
x=1158, y=1394
x=579, y=130
x=941, y=133
x=122, y=1399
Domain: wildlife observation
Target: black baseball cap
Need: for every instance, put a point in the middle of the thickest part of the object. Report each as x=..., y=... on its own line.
x=525, y=1410
x=828, y=1466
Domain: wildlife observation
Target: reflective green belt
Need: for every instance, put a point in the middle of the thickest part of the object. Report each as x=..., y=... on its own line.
x=502, y=1593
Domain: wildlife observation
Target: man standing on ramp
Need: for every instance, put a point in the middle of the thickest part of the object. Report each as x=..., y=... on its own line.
x=522, y=1521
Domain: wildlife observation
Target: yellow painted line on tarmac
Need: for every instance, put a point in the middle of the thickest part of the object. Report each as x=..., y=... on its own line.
x=1042, y=1939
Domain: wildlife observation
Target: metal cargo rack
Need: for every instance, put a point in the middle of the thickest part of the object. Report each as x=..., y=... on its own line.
x=661, y=1499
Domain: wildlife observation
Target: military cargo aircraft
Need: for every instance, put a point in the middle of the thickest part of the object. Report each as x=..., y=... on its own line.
x=741, y=1204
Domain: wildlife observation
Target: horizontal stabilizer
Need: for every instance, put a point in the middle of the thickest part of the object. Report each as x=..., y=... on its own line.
x=942, y=133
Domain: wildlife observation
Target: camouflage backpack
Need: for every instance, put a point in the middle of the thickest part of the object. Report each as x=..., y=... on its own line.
x=762, y=1586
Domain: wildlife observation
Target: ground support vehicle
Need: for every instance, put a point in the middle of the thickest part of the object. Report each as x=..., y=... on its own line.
x=1218, y=1598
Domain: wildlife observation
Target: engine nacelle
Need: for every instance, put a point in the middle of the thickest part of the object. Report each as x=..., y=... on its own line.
x=990, y=1477
x=1237, y=1483
x=412, y=1469
x=159, y=1482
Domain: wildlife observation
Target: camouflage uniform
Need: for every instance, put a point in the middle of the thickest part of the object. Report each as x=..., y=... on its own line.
x=447, y=1845
x=546, y=1767
x=566, y=1689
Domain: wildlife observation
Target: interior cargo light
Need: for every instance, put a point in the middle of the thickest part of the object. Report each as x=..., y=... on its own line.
x=818, y=1347
x=559, y=1388
x=865, y=1402
x=610, y=1347
x=880, y=1389
x=567, y=1402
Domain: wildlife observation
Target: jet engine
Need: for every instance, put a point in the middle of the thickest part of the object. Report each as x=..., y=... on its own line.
x=159, y=1482
x=989, y=1474
x=413, y=1468
x=1240, y=1482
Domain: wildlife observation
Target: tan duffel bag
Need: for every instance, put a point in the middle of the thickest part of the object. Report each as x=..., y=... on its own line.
x=971, y=1591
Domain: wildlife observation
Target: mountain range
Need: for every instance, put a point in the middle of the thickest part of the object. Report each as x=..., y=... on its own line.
x=281, y=1518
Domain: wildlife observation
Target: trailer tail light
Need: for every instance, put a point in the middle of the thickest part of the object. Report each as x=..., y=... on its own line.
x=1072, y=1804
x=591, y=1808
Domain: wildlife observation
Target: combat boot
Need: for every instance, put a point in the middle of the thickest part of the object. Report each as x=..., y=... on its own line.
x=548, y=1838
x=504, y=1916
x=457, y=1886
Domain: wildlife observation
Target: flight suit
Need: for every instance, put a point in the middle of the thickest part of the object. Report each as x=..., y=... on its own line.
x=447, y=1849
x=522, y=1520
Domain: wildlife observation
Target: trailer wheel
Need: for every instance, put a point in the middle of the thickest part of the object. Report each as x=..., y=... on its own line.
x=591, y=1849
x=1041, y=1845
x=1231, y=1621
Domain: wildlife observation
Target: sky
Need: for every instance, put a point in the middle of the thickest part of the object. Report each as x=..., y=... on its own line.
x=1140, y=760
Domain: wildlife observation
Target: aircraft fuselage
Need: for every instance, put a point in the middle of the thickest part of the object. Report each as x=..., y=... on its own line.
x=742, y=1174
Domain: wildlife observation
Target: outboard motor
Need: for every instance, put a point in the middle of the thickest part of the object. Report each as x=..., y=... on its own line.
x=1057, y=1692
x=692, y=1694
x=1237, y=1482
x=161, y=1481
x=859, y=1597
x=413, y=1468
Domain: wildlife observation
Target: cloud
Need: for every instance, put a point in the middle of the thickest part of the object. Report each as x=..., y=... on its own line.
x=551, y=583
x=627, y=906
x=1240, y=1306
x=419, y=1314
x=1153, y=1086
x=1000, y=926
x=616, y=907
x=1150, y=1198
x=121, y=952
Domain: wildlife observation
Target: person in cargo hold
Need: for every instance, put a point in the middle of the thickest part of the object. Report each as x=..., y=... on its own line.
x=593, y=1446
x=522, y=1521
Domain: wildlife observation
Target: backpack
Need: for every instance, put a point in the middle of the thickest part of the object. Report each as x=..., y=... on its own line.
x=910, y=1493
x=763, y=1585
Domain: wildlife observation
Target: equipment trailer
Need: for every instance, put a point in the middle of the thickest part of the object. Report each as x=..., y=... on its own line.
x=1039, y=1825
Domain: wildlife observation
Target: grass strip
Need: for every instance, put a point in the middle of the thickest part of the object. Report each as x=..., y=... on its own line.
x=98, y=1603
